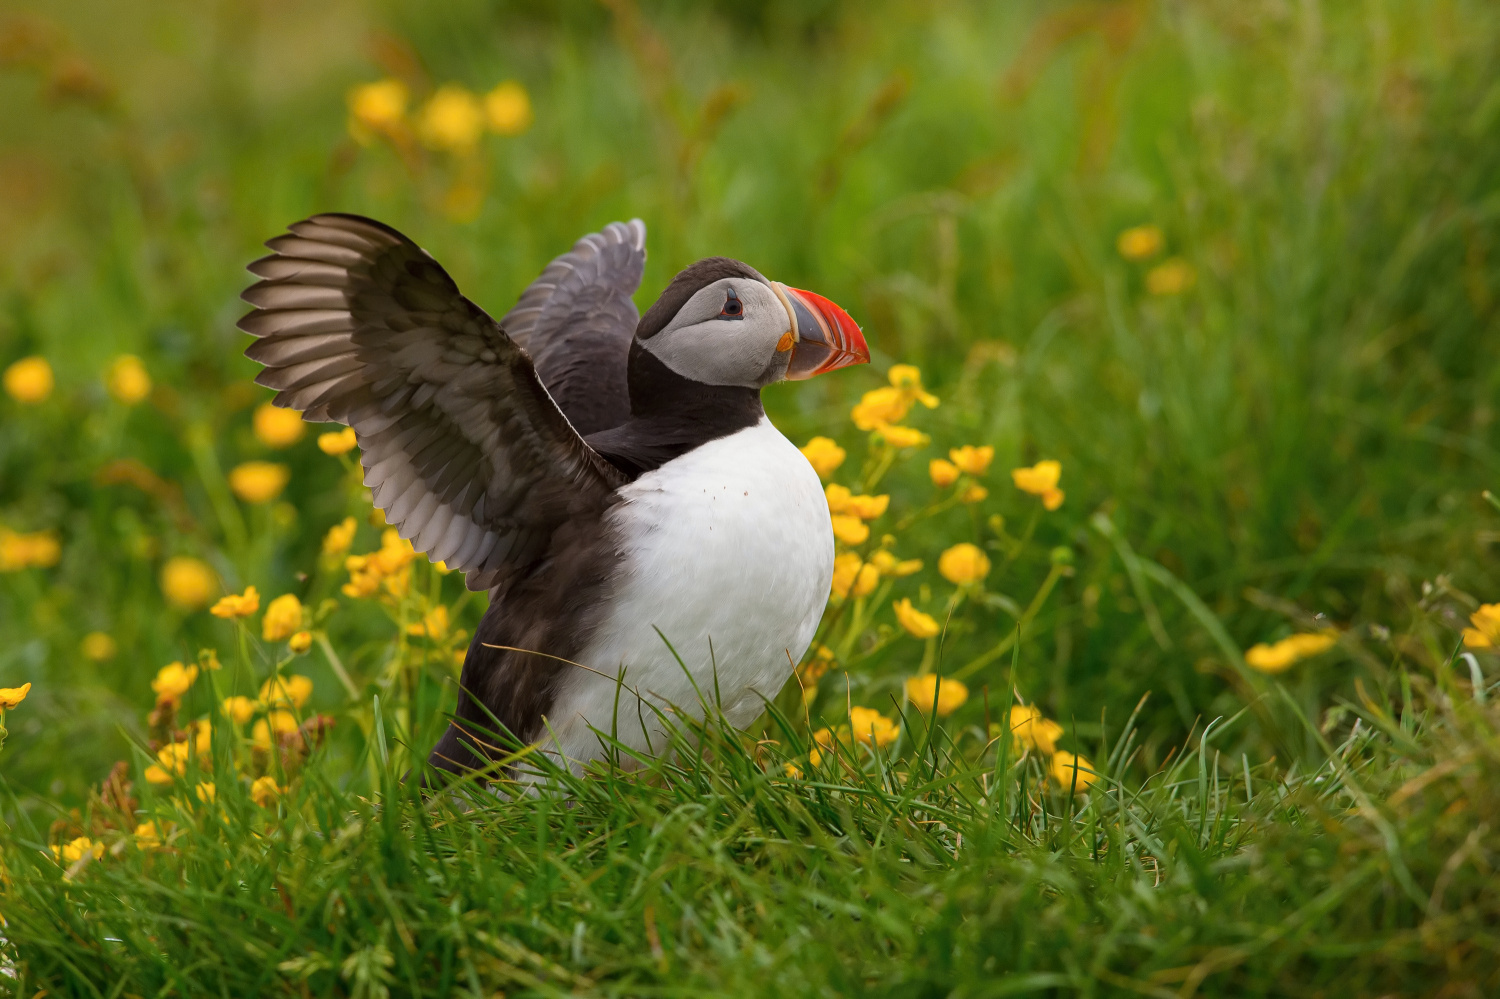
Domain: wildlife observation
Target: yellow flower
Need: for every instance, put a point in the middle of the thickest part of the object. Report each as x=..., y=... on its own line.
x=1072, y=771
x=950, y=694
x=870, y=726
x=238, y=709
x=1140, y=243
x=888, y=564
x=792, y=771
x=264, y=792
x=868, y=507
x=75, y=850
x=38, y=550
x=1033, y=731
x=283, y=618
x=276, y=427
x=259, y=481
x=156, y=775
x=278, y=722
x=1039, y=479
x=12, y=696
x=908, y=379
x=971, y=459
x=172, y=759
x=917, y=624
x=339, y=537
x=98, y=646
x=206, y=792
x=29, y=380
x=903, y=436
x=1052, y=499
x=1486, y=631
x=973, y=493
x=376, y=107
x=822, y=742
x=849, y=529
x=451, y=120
x=237, y=605
x=1171, y=277
x=824, y=455
x=507, y=109
x=338, y=441
x=187, y=583
x=434, y=624
x=386, y=566
x=1281, y=656
x=291, y=690
x=147, y=837
x=943, y=472
x=853, y=575
x=837, y=497
x=127, y=379
x=964, y=564
x=300, y=642
x=172, y=681
x=878, y=407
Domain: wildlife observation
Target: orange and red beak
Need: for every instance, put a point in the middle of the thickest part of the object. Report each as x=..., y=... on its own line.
x=824, y=337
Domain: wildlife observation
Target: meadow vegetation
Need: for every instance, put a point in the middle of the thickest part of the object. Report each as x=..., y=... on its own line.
x=1160, y=658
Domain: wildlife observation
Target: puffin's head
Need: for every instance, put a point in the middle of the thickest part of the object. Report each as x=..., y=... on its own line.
x=721, y=323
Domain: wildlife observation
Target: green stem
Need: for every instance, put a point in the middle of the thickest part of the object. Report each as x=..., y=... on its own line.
x=1045, y=591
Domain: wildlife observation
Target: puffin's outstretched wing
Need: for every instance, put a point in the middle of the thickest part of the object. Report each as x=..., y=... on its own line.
x=577, y=320
x=465, y=451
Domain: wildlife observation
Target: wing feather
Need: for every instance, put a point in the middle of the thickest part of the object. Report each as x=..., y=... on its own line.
x=463, y=446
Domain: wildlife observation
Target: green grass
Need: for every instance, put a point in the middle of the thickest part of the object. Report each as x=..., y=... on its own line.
x=1300, y=439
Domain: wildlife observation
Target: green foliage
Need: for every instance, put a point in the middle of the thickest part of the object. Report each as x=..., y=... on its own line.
x=1296, y=436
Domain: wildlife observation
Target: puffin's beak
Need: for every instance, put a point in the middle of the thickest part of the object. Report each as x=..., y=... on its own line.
x=824, y=337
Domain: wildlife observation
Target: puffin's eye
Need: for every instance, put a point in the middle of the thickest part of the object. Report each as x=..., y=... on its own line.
x=733, y=307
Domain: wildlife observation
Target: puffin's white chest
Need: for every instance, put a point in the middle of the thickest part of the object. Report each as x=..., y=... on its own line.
x=728, y=554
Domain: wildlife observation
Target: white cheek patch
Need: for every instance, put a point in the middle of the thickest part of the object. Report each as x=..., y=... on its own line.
x=700, y=345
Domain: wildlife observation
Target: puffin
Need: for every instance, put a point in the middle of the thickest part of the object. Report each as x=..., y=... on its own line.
x=649, y=541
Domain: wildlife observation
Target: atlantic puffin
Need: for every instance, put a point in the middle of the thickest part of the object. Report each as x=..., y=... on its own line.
x=611, y=479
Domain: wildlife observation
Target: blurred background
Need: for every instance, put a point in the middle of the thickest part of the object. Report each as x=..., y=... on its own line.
x=1279, y=387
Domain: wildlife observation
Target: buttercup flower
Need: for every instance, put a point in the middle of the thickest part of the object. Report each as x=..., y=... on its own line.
x=38, y=550
x=943, y=472
x=907, y=379
x=1486, y=631
x=916, y=623
x=1071, y=771
x=339, y=537
x=822, y=742
x=824, y=455
x=870, y=726
x=1281, y=656
x=853, y=575
x=1052, y=499
x=434, y=624
x=206, y=792
x=98, y=646
x=278, y=722
x=879, y=407
x=276, y=427
x=1171, y=277
x=1140, y=243
x=338, y=441
x=156, y=775
x=237, y=605
x=971, y=459
x=147, y=837
x=975, y=493
x=849, y=529
x=238, y=709
x=127, y=379
x=868, y=507
x=283, y=618
x=1039, y=479
x=172, y=681
x=451, y=120
x=29, y=380
x=964, y=564
x=376, y=107
x=300, y=642
x=187, y=583
x=888, y=564
x=367, y=573
x=507, y=109
x=1033, y=731
x=922, y=690
x=290, y=690
x=259, y=481
x=902, y=436
x=792, y=771
x=75, y=850
x=264, y=792
x=10, y=697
